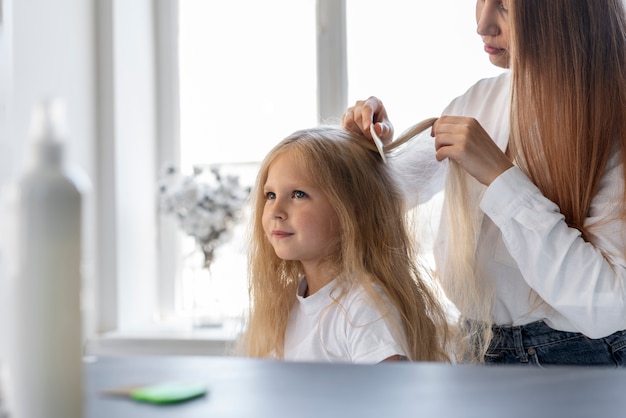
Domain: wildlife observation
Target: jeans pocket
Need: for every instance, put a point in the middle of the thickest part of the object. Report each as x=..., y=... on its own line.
x=494, y=357
x=617, y=343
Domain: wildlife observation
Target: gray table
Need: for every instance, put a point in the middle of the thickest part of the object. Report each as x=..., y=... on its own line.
x=259, y=388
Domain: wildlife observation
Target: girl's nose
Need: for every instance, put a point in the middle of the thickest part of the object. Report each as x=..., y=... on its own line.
x=278, y=209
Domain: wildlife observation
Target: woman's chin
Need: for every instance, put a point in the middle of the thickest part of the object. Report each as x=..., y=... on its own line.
x=500, y=60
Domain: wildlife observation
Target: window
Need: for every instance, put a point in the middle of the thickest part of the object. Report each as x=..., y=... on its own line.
x=415, y=56
x=250, y=73
x=247, y=76
x=247, y=79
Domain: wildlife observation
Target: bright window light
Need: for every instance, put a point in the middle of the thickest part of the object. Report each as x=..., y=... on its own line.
x=248, y=79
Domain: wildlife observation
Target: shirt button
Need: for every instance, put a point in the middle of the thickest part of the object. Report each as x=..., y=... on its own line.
x=531, y=351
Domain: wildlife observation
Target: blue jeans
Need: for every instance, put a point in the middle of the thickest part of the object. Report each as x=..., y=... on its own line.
x=539, y=345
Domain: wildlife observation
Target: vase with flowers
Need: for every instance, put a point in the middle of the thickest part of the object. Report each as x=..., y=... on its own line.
x=207, y=205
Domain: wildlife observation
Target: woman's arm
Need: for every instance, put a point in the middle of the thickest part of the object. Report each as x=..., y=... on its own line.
x=582, y=281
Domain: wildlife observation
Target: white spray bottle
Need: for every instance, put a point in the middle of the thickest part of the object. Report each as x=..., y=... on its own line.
x=45, y=349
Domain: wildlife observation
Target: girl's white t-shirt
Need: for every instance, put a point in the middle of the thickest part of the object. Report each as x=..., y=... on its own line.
x=350, y=330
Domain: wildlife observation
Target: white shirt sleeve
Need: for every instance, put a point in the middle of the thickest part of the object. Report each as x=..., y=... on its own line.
x=368, y=334
x=582, y=282
x=414, y=164
x=416, y=169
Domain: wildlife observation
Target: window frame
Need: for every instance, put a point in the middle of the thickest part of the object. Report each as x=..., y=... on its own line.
x=126, y=127
x=126, y=304
x=332, y=101
x=138, y=115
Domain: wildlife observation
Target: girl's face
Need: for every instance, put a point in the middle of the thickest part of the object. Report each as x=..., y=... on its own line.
x=492, y=20
x=298, y=219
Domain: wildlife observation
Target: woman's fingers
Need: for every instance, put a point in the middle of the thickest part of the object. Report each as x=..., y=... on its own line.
x=464, y=140
x=364, y=113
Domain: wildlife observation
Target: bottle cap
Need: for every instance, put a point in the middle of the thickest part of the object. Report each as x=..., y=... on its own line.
x=48, y=130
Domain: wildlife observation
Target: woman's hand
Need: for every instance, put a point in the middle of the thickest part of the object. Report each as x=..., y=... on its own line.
x=359, y=117
x=463, y=140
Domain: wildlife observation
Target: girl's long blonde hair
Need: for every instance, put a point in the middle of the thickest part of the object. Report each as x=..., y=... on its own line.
x=374, y=246
x=568, y=66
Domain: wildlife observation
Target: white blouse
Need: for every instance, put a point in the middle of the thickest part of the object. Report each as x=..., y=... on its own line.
x=525, y=242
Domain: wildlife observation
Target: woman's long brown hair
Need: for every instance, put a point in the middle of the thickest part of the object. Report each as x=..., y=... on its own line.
x=568, y=97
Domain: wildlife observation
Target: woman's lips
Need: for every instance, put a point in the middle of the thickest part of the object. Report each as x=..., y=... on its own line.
x=492, y=50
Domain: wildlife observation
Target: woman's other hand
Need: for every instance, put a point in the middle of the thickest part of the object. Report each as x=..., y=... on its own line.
x=359, y=117
x=464, y=141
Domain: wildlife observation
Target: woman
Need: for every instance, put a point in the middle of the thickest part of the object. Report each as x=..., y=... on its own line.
x=540, y=151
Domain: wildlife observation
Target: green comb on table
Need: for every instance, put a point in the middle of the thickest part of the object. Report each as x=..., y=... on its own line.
x=163, y=393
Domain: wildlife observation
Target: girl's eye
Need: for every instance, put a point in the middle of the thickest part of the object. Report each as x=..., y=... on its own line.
x=270, y=195
x=504, y=7
x=298, y=194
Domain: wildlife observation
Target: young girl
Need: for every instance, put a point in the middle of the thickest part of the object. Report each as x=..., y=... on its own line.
x=333, y=276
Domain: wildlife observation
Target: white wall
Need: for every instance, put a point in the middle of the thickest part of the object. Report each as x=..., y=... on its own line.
x=47, y=49
x=98, y=55
x=6, y=148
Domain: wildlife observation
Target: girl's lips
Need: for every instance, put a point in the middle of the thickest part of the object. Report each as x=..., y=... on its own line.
x=281, y=234
x=492, y=50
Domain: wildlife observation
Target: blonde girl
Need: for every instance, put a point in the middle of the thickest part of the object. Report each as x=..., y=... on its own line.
x=332, y=267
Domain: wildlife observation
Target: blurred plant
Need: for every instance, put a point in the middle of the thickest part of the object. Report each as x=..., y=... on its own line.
x=207, y=204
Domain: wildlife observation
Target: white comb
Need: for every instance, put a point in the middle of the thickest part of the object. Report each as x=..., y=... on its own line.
x=378, y=142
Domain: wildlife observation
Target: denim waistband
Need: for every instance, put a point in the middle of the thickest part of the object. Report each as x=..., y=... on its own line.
x=537, y=343
x=532, y=334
